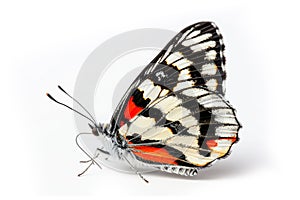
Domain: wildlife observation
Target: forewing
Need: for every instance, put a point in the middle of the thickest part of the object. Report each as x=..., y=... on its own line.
x=191, y=127
x=194, y=57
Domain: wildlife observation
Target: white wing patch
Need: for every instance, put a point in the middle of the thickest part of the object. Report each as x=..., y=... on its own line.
x=193, y=156
x=222, y=146
x=203, y=46
x=227, y=131
x=182, y=63
x=210, y=55
x=194, y=130
x=188, y=141
x=182, y=85
x=193, y=34
x=157, y=133
x=168, y=103
x=194, y=92
x=189, y=121
x=150, y=90
x=229, y=119
x=177, y=113
x=140, y=125
x=212, y=101
x=184, y=74
x=173, y=57
x=209, y=69
x=197, y=39
x=212, y=84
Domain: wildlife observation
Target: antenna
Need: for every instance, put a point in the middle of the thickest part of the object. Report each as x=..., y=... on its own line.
x=70, y=108
x=78, y=104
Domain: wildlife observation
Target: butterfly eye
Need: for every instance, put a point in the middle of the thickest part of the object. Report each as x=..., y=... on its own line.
x=95, y=131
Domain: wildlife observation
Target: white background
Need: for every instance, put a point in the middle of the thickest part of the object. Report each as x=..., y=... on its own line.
x=44, y=43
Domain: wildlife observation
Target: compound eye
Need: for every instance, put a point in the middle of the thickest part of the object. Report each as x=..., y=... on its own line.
x=95, y=131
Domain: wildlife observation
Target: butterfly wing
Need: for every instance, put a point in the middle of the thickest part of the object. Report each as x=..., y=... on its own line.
x=184, y=130
x=194, y=57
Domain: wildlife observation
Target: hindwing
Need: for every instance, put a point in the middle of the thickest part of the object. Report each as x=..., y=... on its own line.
x=190, y=127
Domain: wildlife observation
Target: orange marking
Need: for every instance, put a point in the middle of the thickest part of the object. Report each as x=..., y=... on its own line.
x=155, y=154
x=232, y=139
x=211, y=143
x=131, y=109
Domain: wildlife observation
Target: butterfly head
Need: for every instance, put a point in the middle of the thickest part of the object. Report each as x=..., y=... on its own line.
x=95, y=131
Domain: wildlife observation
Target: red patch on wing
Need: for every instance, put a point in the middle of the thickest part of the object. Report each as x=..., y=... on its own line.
x=131, y=109
x=155, y=154
x=211, y=143
x=232, y=139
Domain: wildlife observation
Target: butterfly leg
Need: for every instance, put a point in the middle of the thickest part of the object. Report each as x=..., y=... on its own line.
x=97, y=153
x=136, y=171
x=92, y=160
x=104, y=152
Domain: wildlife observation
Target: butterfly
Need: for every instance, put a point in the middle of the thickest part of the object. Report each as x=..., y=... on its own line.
x=174, y=116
